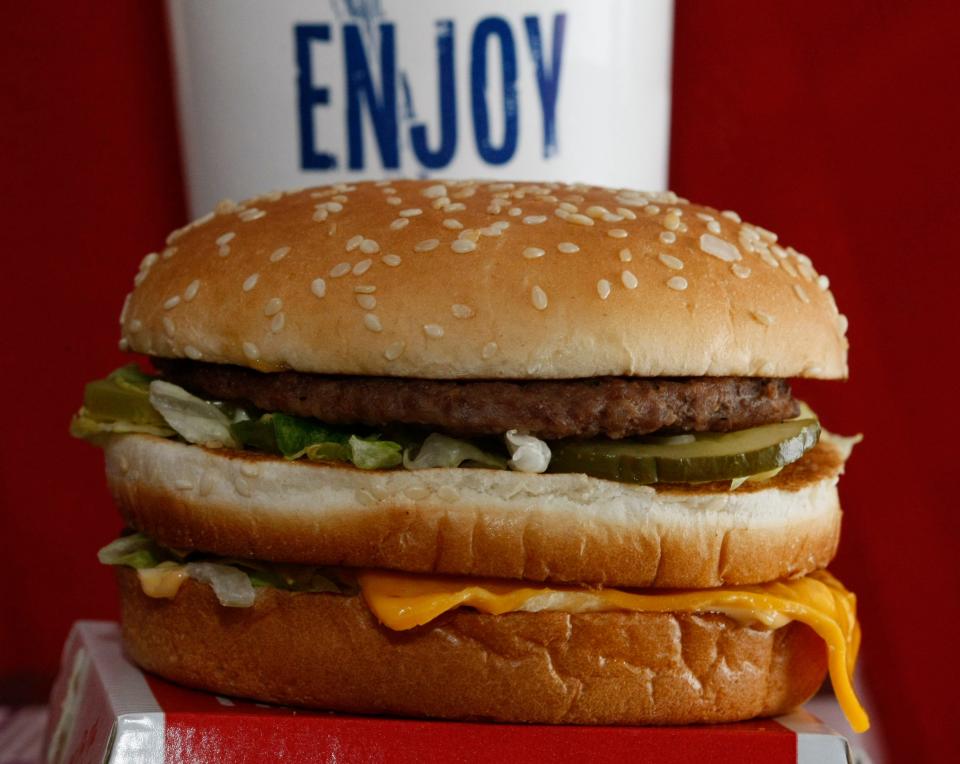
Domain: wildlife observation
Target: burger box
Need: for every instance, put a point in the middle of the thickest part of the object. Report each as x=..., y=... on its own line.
x=104, y=709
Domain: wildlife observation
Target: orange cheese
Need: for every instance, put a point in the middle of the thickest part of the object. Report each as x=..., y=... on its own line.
x=402, y=601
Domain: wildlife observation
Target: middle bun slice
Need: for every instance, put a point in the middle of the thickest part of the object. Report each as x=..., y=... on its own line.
x=565, y=528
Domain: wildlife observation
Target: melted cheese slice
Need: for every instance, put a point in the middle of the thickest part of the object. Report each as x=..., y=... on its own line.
x=403, y=601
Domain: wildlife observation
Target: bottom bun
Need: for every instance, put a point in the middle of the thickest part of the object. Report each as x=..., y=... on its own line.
x=328, y=651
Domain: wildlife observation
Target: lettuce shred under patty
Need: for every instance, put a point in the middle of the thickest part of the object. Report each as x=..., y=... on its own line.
x=128, y=400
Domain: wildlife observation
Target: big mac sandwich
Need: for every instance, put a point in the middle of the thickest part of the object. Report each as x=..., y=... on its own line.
x=510, y=451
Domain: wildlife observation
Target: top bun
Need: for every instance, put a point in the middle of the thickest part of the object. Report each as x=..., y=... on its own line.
x=470, y=279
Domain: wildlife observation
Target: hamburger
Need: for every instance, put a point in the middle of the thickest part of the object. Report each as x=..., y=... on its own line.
x=522, y=452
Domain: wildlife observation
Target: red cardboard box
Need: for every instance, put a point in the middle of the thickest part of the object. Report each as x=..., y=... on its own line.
x=104, y=709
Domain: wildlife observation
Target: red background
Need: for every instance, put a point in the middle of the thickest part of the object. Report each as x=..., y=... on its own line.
x=834, y=124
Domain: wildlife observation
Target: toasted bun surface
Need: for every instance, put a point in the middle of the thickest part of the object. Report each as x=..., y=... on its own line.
x=485, y=280
x=551, y=527
x=328, y=651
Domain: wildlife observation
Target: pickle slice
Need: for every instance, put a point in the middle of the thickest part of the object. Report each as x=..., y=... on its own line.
x=708, y=457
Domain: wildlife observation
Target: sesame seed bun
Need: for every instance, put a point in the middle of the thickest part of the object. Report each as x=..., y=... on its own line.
x=485, y=280
x=328, y=651
x=552, y=527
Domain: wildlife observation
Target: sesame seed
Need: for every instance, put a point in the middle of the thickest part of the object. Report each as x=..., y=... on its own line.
x=533, y=252
x=801, y=293
x=667, y=237
x=731, y=215
x=788, y=267
x=136, y=325
x=354, y=242
x=225, y=238
x=719, y=248
x=534, y=219
x=567, y=247
x=279, y=254
x=463, y=245
x=625, y=255
x=489, y=350
x=579, y=219
x=433, y=330
x=317, y=286
x=334, y=206
x=340, y=269
x=806, y=271
x=515, y=212
x=394, y=200
x=399, y=223
x=394, y=350
x=252, y=214
x=366, y=301
x=629, y=280
x=770, y=236
x=337, y=198
x=456, y=207
x=503, y=225
x=705, y=217
x=168, y=326
x=392, y=260
x=433, y=192
x=372, y=323
x=440, y=203
x=670, y=261
x=603, y=289
x=763, y=318
x=148, y=261
x=769, y=259
x=677, y=282
x=427, y=245
x=362, y=267
x=490, y=230
x=453, y=224
x=843, y=323
x=740, y=271
x=461, y=311
x=567, y=207
x=562, y=214
x=274, y=305
x=369, y=247
x=671, y=221
x=597, y=212
x=192, y=353
x=320, y=214
x=471, y=234
x=823, y=282
x=625, y=213
x=169, y=252
x=251, y=351
x=191, y=291
x=538, y=297
x=617, y=233
x=223, y=251
x=364, y=289
x=278, y=321
x=411, y=212
x=652, y=209
x=171, y=302
x=714, y=227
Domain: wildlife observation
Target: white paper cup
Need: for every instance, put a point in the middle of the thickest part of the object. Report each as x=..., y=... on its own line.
x=303, y=92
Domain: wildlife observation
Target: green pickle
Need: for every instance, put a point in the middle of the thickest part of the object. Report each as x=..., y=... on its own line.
x=124, y=396
x=708, y=457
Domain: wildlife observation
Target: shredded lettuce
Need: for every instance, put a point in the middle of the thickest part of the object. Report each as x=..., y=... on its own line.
x=231, y=585
x=134, y=551
x=131, y=401
x=443, y=451
x=233, y=580
x=194, y=419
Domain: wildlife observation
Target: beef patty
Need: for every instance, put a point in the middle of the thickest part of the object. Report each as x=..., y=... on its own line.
x=614, y=407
